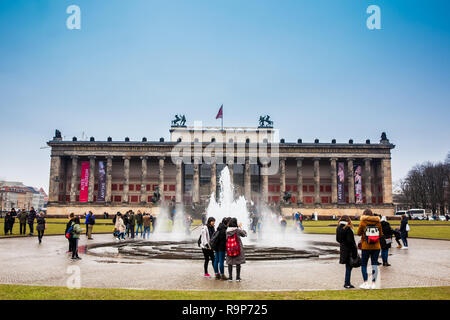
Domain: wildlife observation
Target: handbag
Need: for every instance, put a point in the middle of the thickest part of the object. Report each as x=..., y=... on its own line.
x=388, y=240
x=407, y=228
x=355, y=262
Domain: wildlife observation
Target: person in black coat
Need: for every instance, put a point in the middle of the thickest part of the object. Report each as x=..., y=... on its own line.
x=385, y=240
x=404, y=231
x=31, y=216
x=7, y=225
x=346, y=238
x=71, y=219
x=219, y=250
x=40, y=226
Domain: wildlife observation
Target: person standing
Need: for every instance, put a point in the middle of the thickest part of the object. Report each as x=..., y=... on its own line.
x=131, y=224
x=348, y=249
x=370, y=231
x=76, y=233
x=126, y=223
x=31, y=216
x=385, y=240
x=40, y=228
x=90, y=221
x=7, y=223
x=68, y=225
x=12, y=220
x=205, y=238
x=120, y=226
x=23, y=215
x=219, y=250
x=139, y=222
x=235, y=249
x=146, y=220
x=153, y=220
x=404, y=228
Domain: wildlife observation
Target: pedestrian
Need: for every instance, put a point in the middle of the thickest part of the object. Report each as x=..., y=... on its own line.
x=370, y=231
x=404, y=229
x=205, y=238
x=90, y=221
x=146, y=220
x=68, y=225
x=348, y=249
x=86, y=216
x=23, y=215
x=398, y=237
x=40, y=228
x=120, y=227
x=235, y=249
x=31, y=216
x=153, y=220
x=76, y=232
x=219, y=250
x=139, y=222
x=131, y=224
x=189, y=221
x=12, y=220
x=385, y=240
x=7, y=223
x=125, y=222
x=204, y=218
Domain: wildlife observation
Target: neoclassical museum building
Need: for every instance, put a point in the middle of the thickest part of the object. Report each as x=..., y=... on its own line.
x=330, y=178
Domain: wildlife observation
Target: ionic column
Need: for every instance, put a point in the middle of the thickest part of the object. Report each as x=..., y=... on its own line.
x=213, y=178
x=386, y=180
x=178, y=186
x=265, y=183
x=282, y=178
x=143, y=179
x=53, y=189
x=299, y=180
x=91, y=178
x=230, y=168
x=108, y=179
x=351, y=181
x=316, y=180
x=247, y=181
x=126, y=175
x=368, y=180
x=73, y=180
x=196, y=182
x=161, y=177
x=333, y=173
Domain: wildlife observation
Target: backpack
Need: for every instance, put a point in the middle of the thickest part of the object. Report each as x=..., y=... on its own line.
x=233, y=246
x=199, y=242
x=214, y=240
x=69, y=232
x=372, y=234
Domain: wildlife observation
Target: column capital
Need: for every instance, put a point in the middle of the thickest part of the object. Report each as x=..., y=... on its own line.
x=350, y=159
x=161, y=158
x=316, y=158
x=282, y=158
x=126, y=158
x=109, y=157
x=144, y=157
x=197, y=159
x=91, y=157
x=74, y=157
x=334, y=159
x=299, y=159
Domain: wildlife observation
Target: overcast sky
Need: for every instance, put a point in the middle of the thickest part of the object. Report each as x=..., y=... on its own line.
x=313, y=66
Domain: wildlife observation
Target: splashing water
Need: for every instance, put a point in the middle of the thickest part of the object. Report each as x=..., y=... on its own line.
x=171, y=225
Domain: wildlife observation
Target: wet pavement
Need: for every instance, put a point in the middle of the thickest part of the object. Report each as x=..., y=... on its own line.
x=24, y=261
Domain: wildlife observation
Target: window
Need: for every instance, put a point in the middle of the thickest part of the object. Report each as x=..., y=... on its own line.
x=131, y=187
x=134, y=198
x=147, y=187
x=117, y=198
x=120, y=187
x=138, y=187
x=311, y=188
x=171, y=187
x=114, y=187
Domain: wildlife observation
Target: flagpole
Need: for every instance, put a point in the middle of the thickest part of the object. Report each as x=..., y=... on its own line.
x=222, y=117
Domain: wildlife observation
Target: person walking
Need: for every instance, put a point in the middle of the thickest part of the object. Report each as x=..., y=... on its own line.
x=40, y=228
x=31, y=216
x=23, y=215
x=235, y=249
x=139, y=222
x=7, y=226
x=370, y=231
x=76, y=233
x=219, y=250
x=68, y=225
x=131, y=224
x=120, y=227
x=153, y=220
x=205, y=238
x=398, y=237
x=404, y=229
x=12, y=220
x=348, y=249
x=385, y=240
x=90, y=221
x=146, y=221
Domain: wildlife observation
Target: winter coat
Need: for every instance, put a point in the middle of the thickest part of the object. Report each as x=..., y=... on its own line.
x=205, y=238
x=23, y=217
x=139, y=218
x=132, y=220
x=76, y=230
x=387, y=234
x=239, y=259
x=90, y=219
x=222, y=237
x=346, y=238
x=120, y=226
x=146, y=221
x=40, y=224
x=369, y=221
x=403, y=232
x=31, y=216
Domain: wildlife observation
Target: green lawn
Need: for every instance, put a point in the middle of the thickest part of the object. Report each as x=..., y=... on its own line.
x=20, y=292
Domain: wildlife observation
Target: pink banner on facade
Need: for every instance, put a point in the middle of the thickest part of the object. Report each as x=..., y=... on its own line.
x=84, y=182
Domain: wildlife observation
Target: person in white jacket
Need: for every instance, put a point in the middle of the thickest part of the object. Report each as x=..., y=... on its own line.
x=206, y=235
x=120, y=227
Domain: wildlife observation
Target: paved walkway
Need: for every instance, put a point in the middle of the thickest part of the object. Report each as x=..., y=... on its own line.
x=24, y=261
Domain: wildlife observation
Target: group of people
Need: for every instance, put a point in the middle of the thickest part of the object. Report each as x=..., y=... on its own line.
x=25, y=217
x=125, y=224
x=376, y=236
x=223, y=244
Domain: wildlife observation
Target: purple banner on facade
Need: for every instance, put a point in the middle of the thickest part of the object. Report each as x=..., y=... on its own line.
x=341, y=182
x=358, y=184
x=101, y=182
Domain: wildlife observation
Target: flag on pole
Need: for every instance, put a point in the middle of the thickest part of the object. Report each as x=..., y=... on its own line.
x=220, y=113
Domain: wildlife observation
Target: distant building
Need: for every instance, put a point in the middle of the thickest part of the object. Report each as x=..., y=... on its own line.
x=19, y=196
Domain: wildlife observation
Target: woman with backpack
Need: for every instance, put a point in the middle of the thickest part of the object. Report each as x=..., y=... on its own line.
x=220, y=246
x=235, y=249
x=404, y=228
x=348, y=249
x=205, y=238
x=76, y=232
x=385, y=240
x=40, y=226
